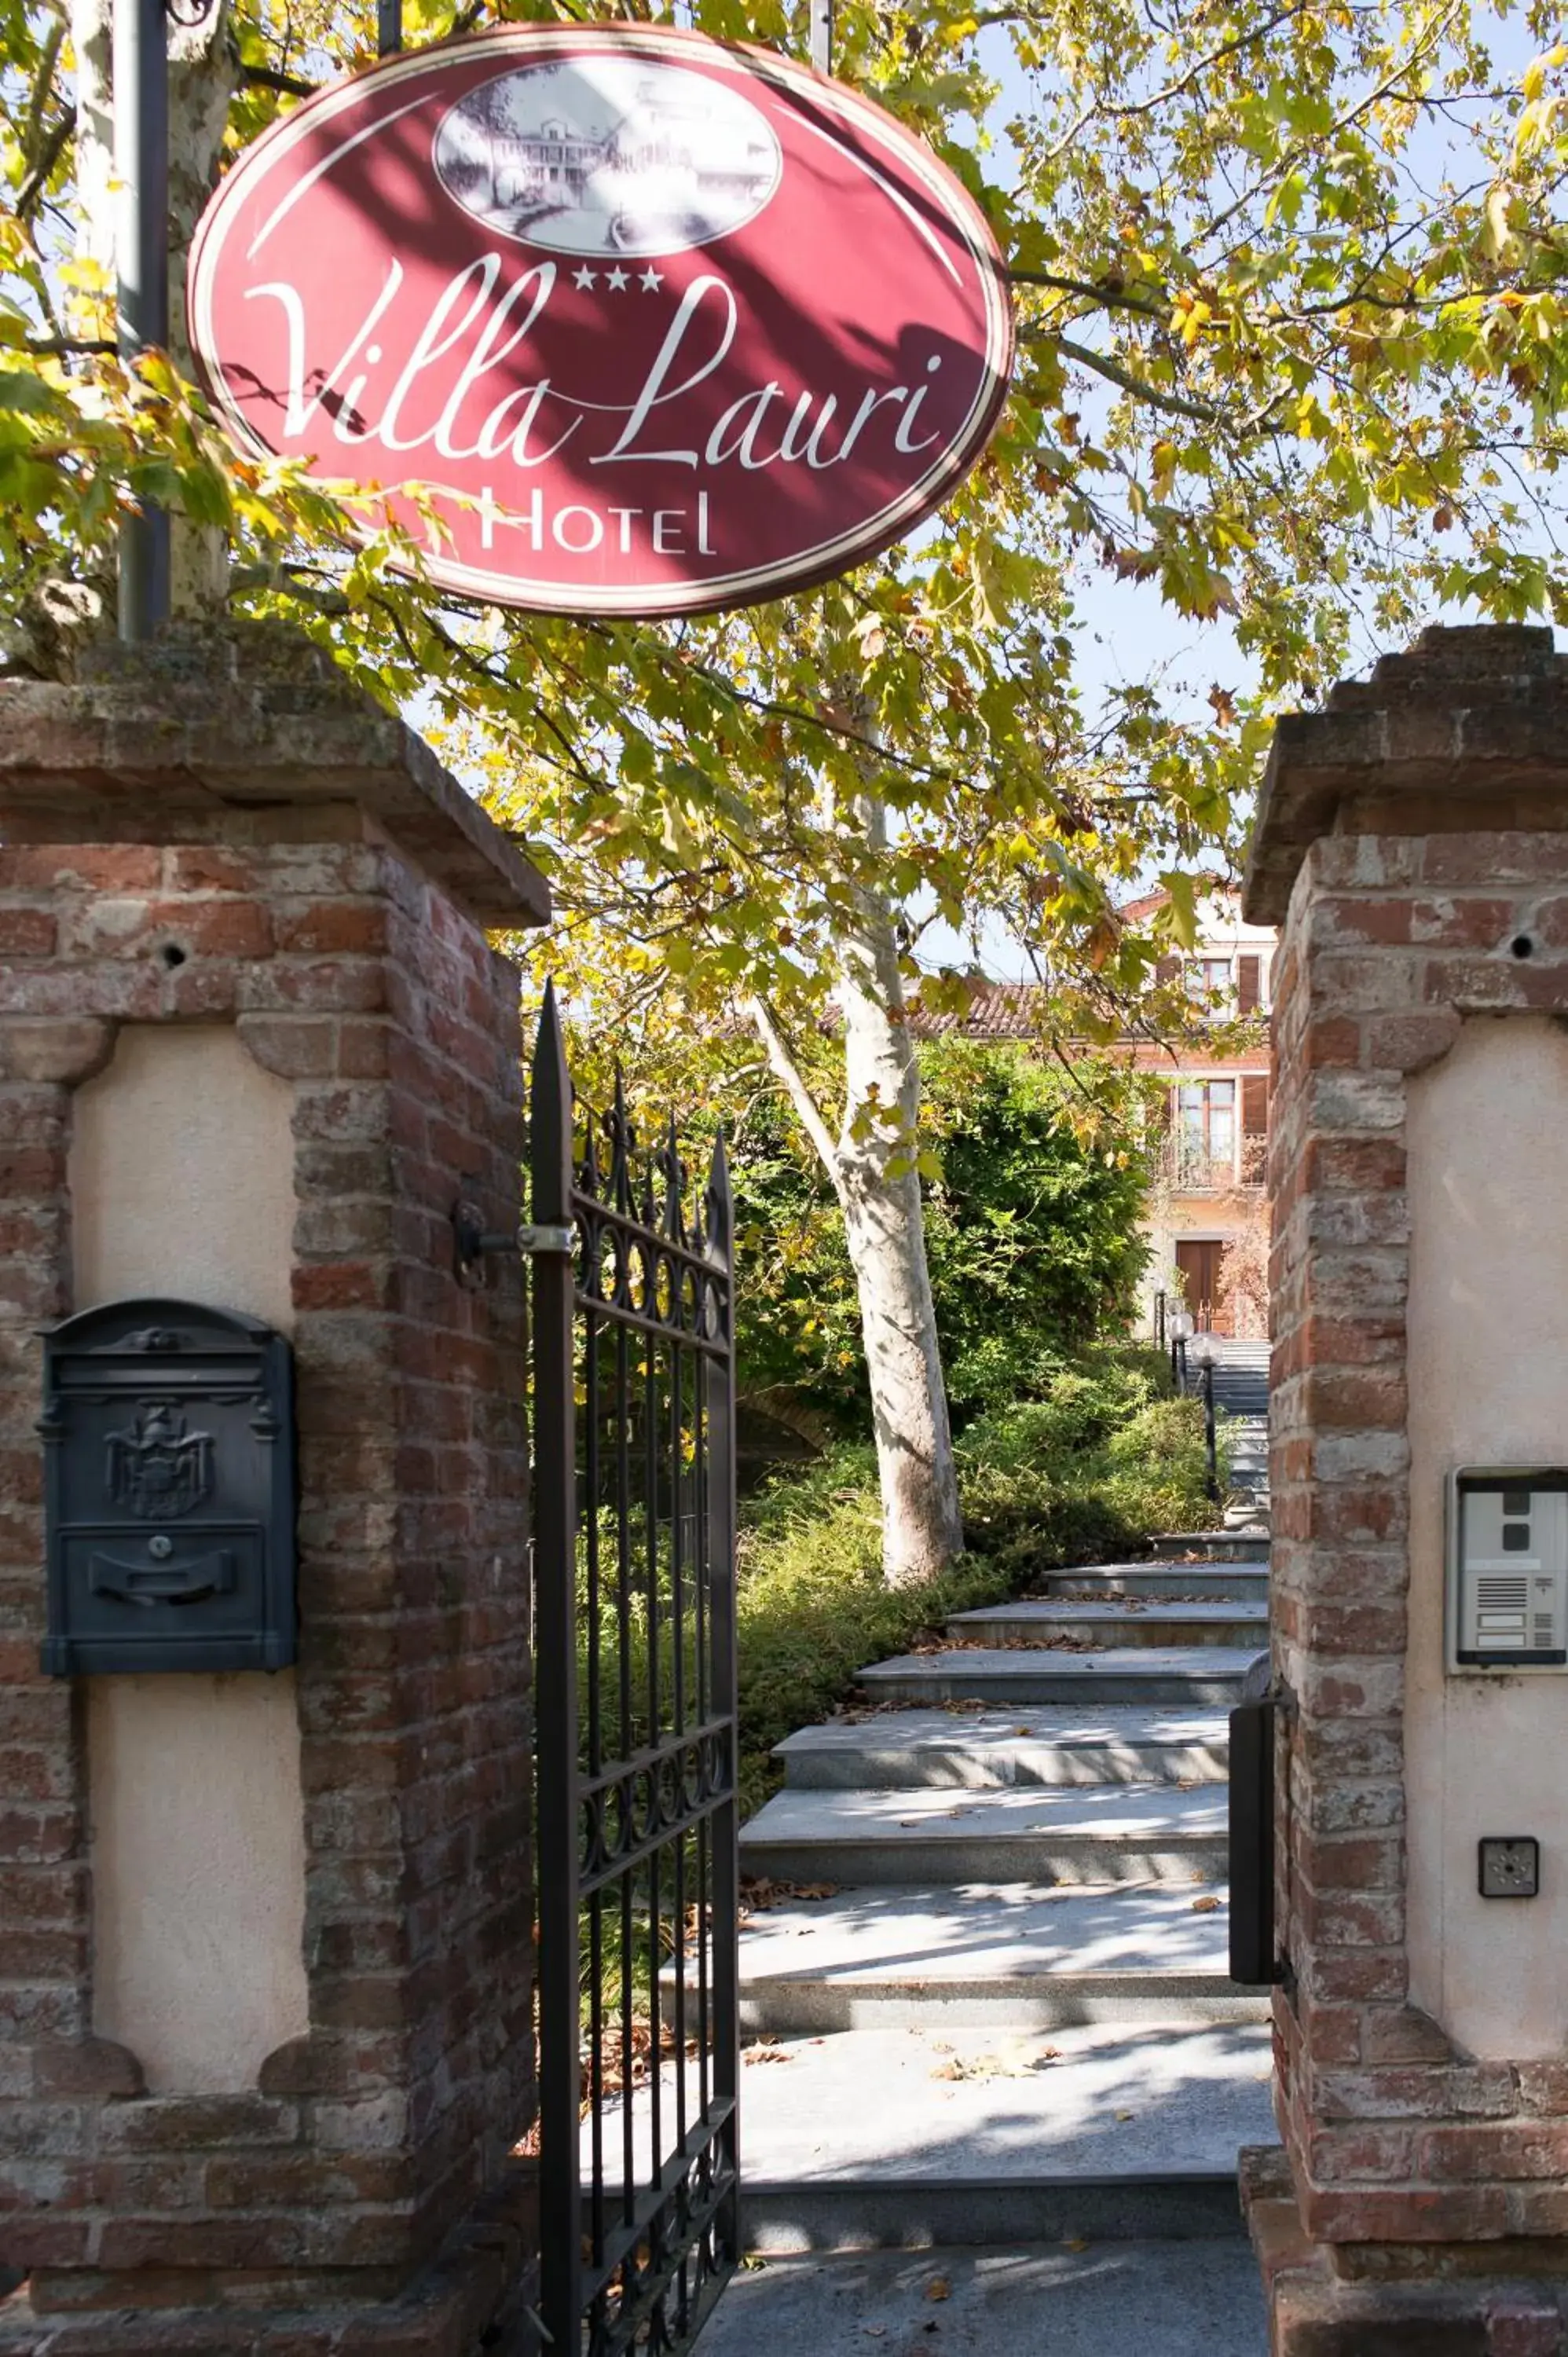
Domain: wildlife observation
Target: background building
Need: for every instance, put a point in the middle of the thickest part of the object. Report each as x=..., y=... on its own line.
x=1208, y=1221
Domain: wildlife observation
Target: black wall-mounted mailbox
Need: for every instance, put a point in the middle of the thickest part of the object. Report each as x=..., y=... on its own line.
x=169, y=1491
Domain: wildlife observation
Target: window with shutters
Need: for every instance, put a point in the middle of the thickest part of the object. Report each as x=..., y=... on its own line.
x=1204, y=1138
x=1208, y=981
x=1254, y=1128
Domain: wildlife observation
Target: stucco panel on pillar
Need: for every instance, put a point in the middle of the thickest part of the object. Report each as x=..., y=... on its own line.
x=182, y=1182
x=182, y=1174
x=1488, y=1278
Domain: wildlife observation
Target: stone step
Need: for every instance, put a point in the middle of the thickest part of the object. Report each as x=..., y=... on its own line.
x=1197, y=1583
x=1129, y=1620
x=1200, y=1546
x=978, y=1749
x=995, y=1955
x=1104, y=2128
x=1187, y=1676
x=1135, y=1833
x=1186, y=2289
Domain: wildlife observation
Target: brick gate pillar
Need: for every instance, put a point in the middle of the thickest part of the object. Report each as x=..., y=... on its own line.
x=266, y=1940
x=1413, y=841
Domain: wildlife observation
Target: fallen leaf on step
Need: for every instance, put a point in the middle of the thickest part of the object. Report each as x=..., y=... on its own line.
x=1126, y=2116
x=766, y=2052
x=938, y=2289
x=874, y=2331
x=1205, y=1906
x=760, y=1891
x=1014, y=2062
x=1076, y=2242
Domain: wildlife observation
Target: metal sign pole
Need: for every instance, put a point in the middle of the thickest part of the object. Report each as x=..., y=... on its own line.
x=141, y=167
x=389, y=28
x=822, y=36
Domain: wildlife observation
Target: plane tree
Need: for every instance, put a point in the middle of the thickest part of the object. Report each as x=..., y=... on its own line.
x=1289, y=284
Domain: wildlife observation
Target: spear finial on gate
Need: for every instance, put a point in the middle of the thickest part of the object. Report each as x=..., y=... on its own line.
x=550, y=1141
x=621, y=1148
x=718, y=1205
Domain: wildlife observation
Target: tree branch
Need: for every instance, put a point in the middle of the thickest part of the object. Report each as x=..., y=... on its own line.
x=58, y=347
x=1107, y=298
x=1176, y=404
x=43, y=83
x=49, y=154
x=270, y=77
x=788, y=1072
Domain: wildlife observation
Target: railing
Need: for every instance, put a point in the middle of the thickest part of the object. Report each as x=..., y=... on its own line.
x=1192, y=1170
x=1195, y=1375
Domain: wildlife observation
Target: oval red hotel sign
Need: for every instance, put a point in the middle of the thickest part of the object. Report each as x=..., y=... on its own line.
x=665, y=325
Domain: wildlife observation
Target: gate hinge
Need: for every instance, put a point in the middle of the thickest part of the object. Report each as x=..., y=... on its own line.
x=474, y=1240
x=546, y=1240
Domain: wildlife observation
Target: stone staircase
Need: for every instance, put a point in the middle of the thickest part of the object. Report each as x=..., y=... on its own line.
x=1241, y=1396
x=986, y=1963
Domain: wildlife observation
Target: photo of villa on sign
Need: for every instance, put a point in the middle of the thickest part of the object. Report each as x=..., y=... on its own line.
x=608, y=155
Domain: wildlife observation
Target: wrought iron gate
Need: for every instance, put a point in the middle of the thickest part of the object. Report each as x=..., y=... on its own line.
x=634, y=1554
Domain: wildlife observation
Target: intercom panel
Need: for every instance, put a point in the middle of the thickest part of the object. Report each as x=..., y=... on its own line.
x=1508, y=1569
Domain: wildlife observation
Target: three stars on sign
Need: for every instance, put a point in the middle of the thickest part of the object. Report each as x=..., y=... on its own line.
x=617, y=279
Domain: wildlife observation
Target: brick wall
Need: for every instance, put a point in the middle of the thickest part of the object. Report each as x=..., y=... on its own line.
x=355, y=977
x=1420, y=829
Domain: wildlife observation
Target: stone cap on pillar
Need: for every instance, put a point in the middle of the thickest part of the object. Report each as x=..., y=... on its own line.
x=1466, y=715
x=210, y=719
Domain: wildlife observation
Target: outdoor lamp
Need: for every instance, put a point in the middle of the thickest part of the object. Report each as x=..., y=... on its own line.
x=1181, y=1326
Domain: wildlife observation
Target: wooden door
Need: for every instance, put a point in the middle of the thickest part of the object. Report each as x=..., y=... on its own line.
x=1201, y=1264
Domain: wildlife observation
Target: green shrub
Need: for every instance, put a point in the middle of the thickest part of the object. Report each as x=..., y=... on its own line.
x=1032, y=1237
x=1086, y=1472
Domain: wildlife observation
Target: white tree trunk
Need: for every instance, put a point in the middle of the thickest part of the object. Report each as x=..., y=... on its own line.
x=90, y=39
x=203, y=71
x=871, y=1163
x=885, y=1230
x=879, y=1188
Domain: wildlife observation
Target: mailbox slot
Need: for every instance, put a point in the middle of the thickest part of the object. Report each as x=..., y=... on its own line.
x=170, y=1494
